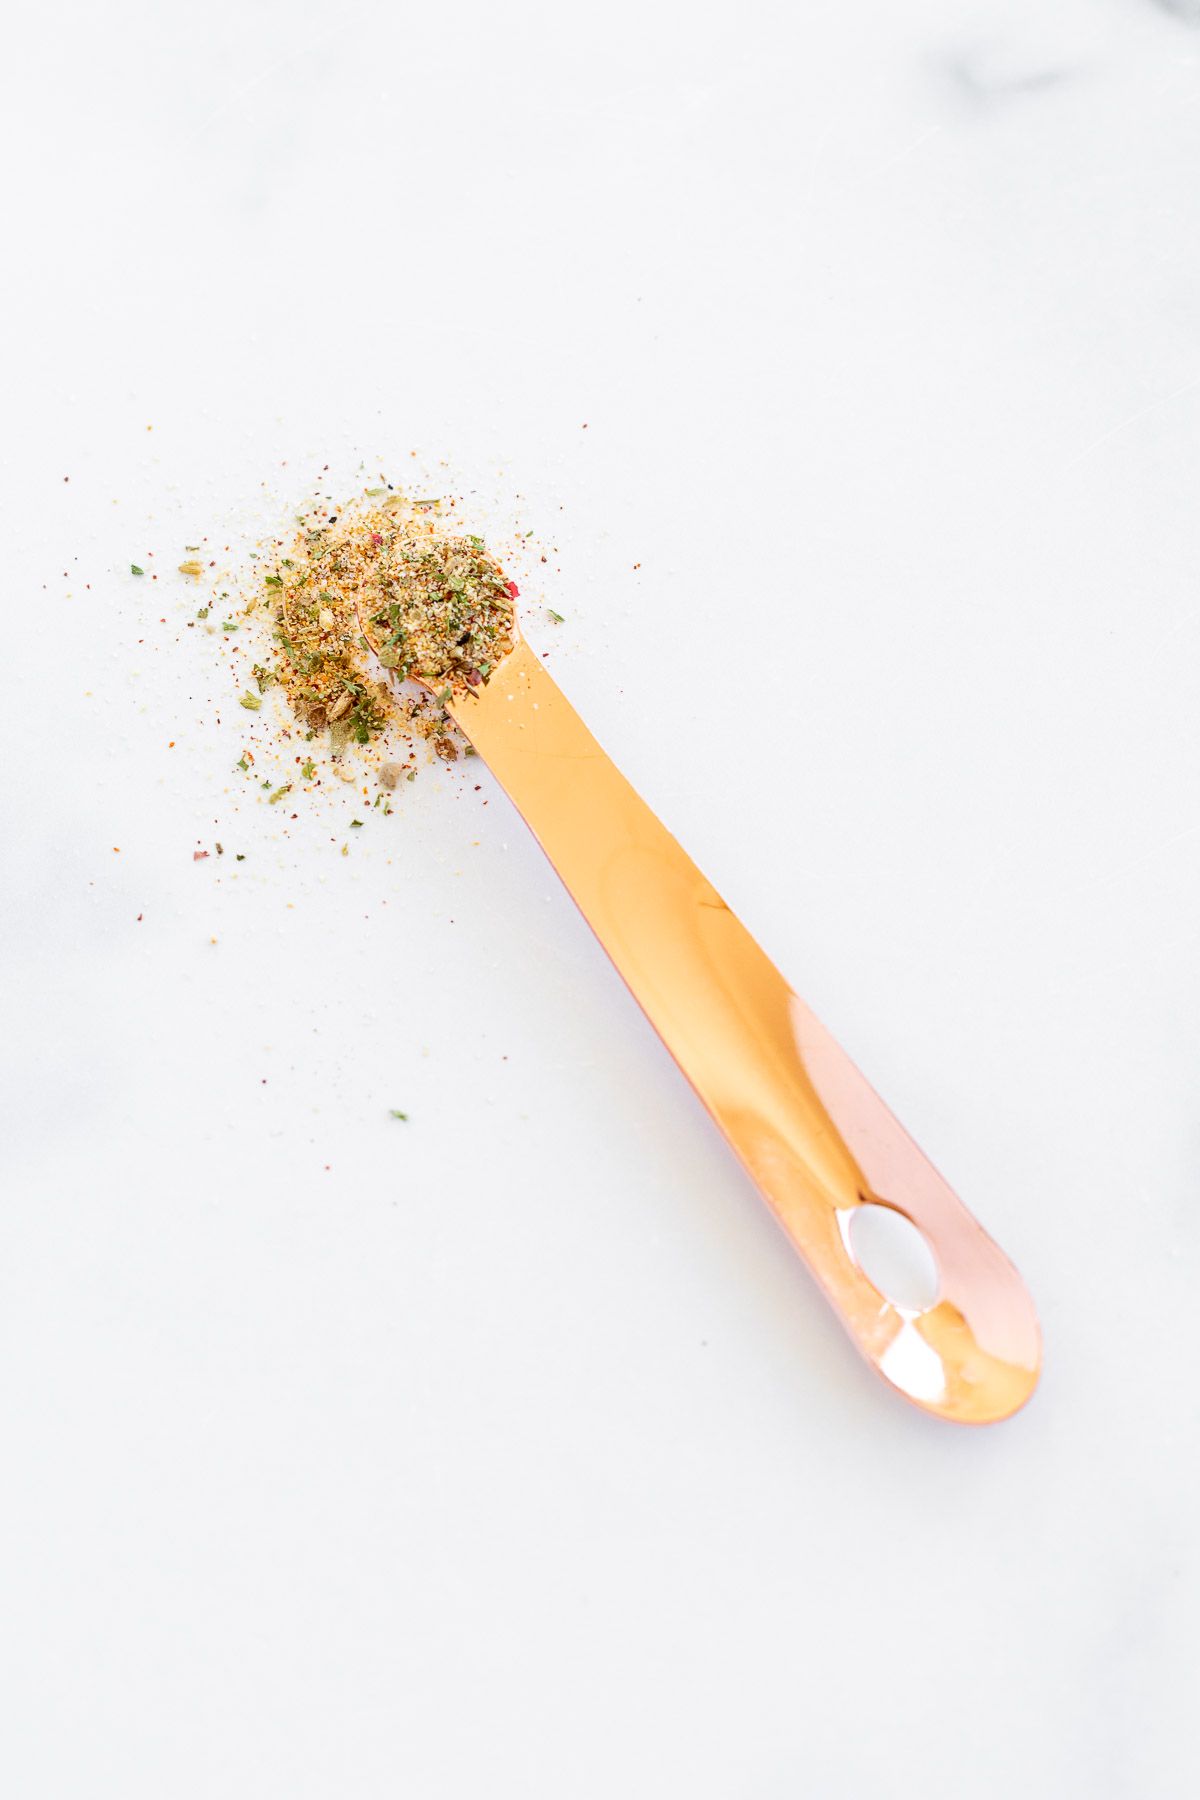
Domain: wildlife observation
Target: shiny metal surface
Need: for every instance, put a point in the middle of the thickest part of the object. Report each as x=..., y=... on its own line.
x=813, y=1134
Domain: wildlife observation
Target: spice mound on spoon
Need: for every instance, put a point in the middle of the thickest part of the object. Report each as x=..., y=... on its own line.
x=376, y=595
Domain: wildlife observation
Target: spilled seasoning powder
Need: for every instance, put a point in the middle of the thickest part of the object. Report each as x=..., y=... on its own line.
x=372, y=595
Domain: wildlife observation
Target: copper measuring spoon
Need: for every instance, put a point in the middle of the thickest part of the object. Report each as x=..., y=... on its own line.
x=814, y=1136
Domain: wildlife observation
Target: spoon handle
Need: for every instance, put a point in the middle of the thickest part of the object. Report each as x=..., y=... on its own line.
x=814, y=1136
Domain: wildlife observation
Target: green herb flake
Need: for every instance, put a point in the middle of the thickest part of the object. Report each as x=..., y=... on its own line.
x=134, y=570
x=309, y=769
x=395, y=1113
x=275, y=581
x=243, y=765
x=556, y=616
x=251, y=702
x=279, y=793
x=203, y=613
x=356, y=824
x=228, y=625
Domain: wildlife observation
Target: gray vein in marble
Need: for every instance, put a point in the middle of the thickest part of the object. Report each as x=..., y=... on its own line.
x=982, y=85
x=1187, y=10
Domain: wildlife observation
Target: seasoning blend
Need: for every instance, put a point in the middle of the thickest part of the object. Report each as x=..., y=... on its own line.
x=375, y=590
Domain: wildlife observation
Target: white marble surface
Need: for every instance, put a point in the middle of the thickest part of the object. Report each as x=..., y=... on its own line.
x=510, y=1453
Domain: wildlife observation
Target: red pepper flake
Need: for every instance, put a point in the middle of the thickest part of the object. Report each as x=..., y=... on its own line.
x=199, y=855
x=377, y=538
x=513, y=589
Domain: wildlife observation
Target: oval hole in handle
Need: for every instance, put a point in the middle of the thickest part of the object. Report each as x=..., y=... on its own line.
x=894, y=1256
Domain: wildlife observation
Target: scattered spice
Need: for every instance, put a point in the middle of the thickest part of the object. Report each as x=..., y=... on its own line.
x=134, y=570
x=395, y=1113
x=191, y=567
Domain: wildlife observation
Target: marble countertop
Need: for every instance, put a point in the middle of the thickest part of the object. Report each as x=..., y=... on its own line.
x=845, y=365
